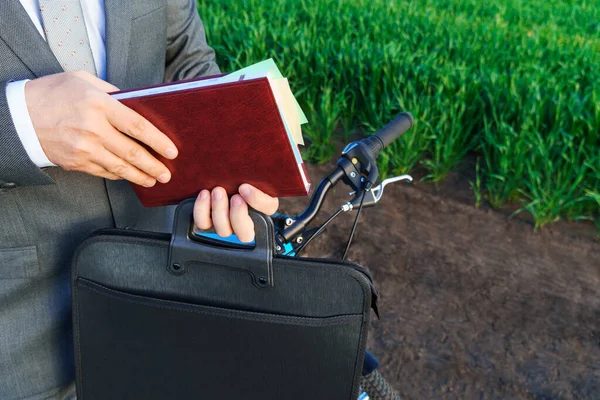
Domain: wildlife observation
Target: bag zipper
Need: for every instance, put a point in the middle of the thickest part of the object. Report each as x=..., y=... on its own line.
x=350, y=264
x=166, y=237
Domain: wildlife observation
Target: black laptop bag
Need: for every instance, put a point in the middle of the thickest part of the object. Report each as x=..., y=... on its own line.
x=159, y=316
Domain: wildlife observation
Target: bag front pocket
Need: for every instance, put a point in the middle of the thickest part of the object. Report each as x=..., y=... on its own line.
x=131, y=346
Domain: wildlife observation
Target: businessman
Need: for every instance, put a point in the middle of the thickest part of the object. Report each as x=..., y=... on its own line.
x=67, y=150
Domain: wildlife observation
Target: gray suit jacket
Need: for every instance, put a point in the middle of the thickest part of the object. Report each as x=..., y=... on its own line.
x=44, y=214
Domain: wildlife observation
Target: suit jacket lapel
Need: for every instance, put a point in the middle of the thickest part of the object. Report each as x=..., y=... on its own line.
x=20, y=34
x=118, y=33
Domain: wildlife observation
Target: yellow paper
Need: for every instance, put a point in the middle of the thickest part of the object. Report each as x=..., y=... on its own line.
x=287, y=104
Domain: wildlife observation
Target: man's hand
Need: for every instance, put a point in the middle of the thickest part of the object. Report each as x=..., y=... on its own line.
x=215, y=209
x=82, y=128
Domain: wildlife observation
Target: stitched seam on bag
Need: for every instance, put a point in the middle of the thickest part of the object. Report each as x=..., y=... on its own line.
x=362, y=346
x=363, y=336
x=214, y=311
x=343, y=269
x=112, y=239
x=154, y=243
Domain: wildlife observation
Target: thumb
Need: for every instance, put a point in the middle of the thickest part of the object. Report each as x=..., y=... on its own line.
x=259, y=200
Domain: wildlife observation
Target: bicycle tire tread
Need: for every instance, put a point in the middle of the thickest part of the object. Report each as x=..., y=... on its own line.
x=378, y=388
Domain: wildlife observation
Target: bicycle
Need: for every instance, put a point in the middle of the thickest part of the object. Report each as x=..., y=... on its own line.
x=357, y=169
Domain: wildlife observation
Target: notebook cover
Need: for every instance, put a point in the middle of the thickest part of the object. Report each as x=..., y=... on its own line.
x=226, y=135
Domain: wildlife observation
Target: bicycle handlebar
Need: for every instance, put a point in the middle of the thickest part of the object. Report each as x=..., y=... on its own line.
x=392, y=131
x=364, y=151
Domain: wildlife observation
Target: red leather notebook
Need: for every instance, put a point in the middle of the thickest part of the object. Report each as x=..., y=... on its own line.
x=227, y=134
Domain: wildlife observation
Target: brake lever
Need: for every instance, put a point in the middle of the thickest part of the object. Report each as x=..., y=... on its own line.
x=378, y=190
x=375, y=194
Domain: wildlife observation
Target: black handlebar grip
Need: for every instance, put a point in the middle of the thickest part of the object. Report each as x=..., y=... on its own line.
x=392, y=131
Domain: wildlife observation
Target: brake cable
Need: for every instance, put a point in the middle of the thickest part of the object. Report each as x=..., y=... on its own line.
x=362, y=199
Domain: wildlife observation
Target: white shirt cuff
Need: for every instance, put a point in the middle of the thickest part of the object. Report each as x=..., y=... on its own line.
x=15, y=95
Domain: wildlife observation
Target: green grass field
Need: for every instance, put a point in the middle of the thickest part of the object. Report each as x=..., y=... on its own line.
x=516, y=82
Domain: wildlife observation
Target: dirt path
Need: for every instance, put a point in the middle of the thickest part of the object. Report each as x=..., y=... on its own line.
x=474, y=305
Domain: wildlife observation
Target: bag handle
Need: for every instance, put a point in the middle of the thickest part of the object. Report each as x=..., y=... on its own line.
x=258, y=262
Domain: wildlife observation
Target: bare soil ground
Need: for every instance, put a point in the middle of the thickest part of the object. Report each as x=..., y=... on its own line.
x=473, y=304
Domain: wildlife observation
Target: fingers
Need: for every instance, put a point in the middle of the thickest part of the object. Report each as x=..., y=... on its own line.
x=259, y=200
x=202, y=210
x=97, y=170
x=220, y=212
x=227, y=220
x=121, y=168
x=242, y=224
x=136, y=155
x=137, y=127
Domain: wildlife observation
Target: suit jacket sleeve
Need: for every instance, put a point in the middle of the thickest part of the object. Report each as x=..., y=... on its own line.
x=15, y=165
x=188, y=54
